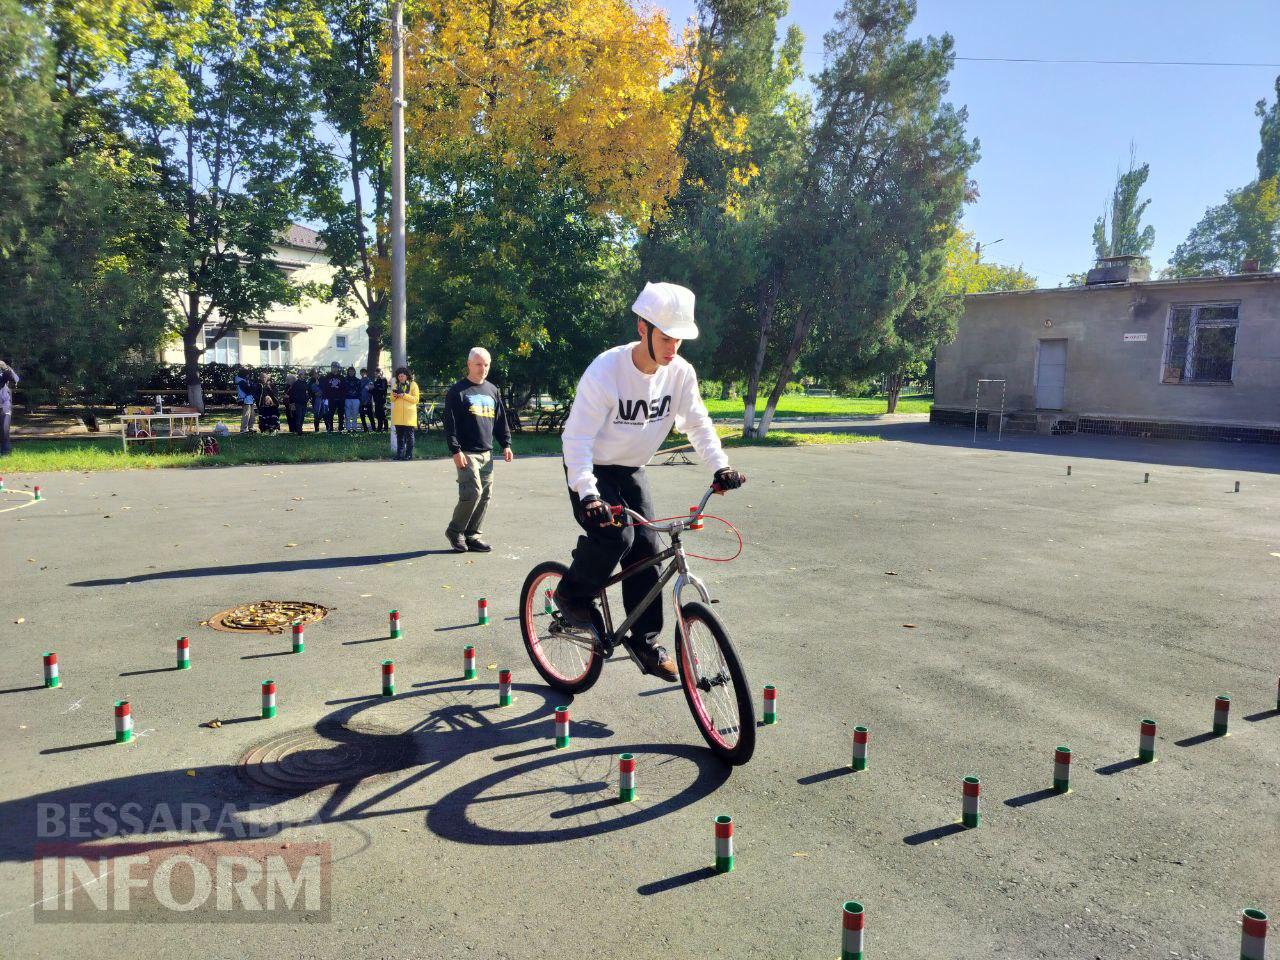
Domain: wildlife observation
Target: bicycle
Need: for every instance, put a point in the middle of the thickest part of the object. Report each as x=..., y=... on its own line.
x=570, y=659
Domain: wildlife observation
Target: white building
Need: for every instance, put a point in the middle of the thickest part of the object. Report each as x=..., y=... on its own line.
x=307, y=335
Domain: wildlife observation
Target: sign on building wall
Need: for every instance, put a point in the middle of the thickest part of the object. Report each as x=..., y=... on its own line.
x=1135, y=338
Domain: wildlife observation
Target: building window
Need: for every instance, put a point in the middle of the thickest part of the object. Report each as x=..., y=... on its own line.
x=342, y=342
x=1200, y=344
x=273, y=349
x=226, y=350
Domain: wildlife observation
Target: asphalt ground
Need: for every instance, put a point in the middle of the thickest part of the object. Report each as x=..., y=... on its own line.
x=1043, y=610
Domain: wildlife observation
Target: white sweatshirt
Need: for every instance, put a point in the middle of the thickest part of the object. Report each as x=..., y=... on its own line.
x=620, y=417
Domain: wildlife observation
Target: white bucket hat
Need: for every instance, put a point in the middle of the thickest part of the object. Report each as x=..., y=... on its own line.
x=669, y=307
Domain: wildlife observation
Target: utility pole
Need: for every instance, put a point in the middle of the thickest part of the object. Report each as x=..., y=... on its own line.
x=399, y=357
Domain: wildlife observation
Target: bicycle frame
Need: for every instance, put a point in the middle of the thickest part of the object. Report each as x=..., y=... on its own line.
x=678, y=570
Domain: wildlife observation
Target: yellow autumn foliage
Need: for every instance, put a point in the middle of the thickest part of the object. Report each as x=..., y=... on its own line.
x=589, y=91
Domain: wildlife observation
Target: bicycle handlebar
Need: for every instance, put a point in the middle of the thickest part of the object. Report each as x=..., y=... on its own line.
x=670, y=526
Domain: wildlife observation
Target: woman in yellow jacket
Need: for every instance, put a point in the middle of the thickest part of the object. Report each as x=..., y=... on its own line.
x=404, y=412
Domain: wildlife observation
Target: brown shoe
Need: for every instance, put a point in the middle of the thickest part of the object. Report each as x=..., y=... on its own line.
x=457, y=541
x=657, y=661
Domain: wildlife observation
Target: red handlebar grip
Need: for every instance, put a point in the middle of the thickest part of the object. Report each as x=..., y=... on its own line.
x=615, y=510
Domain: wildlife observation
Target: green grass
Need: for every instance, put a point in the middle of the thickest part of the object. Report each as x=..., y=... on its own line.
x=48, y=456
x=798, y=405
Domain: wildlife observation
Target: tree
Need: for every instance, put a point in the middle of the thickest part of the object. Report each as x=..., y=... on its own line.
x=83, y=238
x=966, y=272
x=232, y=136
x=1127, y=236
x=864, y=226
x=355, y=230
x=1246, y=226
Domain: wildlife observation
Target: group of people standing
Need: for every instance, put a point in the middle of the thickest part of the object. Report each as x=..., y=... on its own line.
x=347, y=402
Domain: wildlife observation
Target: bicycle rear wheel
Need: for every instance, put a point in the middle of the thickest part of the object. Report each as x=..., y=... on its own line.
x=715, y=685
x=566, y=658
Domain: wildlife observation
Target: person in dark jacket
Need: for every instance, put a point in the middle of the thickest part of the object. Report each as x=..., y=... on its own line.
x=474, y=416
x=316, y=390
x=352, y=398
x=296, y=398
x=367, y=420
x=335, y=396
x=268, y=406
x=378, y=393
x=8, y=383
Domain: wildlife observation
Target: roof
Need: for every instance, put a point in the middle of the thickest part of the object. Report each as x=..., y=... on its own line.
x=1139, y=285
x=302, y=237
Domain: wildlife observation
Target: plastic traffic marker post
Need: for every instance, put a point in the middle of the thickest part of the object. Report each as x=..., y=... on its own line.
x=724, y=844
x=562, y=727
x=546, y=601
x=124, y=721
x=482, y=612
x=1062, y=770
x=468, y=663
x=38, y=497
x=184, y=653
x=626, y=777
x=51, y=678
x=770, y=704
x=860, y=757
x=388, y=678
x=504, y=688
x=1221, y=715
x=394, y=617
x=299, y=638
x=970, y=813
x=1147, y=741
x=855, y=919
x=1253, y=935
x=268, y=699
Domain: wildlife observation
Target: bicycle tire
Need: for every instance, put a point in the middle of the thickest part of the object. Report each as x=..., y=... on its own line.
x=741, y=750
x=531, y=606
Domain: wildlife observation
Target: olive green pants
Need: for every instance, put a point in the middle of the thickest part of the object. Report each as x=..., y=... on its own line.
x=475, y=484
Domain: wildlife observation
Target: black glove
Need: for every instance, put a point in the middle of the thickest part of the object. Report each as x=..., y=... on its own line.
x=728, y=478
x=595, y=510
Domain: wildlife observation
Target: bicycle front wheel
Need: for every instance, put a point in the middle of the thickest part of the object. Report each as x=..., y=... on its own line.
x=715, y=685
x=566, y=658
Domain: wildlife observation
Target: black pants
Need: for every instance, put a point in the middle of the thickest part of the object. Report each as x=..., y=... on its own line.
x=367, y=421
x=4, y=433
x=330, y=408
x=296, y=416
x=603, y=548
x=404, y=443
x=380, y=413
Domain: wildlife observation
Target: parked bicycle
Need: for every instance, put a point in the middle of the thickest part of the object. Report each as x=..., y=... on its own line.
x=714, y=683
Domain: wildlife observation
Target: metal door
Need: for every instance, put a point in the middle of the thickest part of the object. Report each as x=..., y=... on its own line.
x=1051, y=374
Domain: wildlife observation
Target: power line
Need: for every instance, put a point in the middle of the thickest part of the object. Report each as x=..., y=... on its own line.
x=1127, y=63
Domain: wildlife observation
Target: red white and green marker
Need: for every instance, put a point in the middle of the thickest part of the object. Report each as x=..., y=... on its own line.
x=51, y=678
x=1253, y=935
x=504, y=688
x=124, y=721
x=299, y=638
x=394, y=617
x=184, y=653
x=388, y=678
x=860, y=757
x=1147, y=741
x=855, y=919
x=468, y=663
x=546, y=601
x=724, y=844
x=1221, y=715
x=770, y=704
x=482, y=612
x=970, y=813
x=562, y=727
x=1062, y=770
x=38, y=497
x=626, y=777
x=268, y=699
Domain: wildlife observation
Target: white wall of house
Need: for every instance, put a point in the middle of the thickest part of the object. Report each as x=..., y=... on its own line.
x=307, y=335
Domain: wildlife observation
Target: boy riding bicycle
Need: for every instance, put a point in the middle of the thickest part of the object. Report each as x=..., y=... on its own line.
x=628, y=400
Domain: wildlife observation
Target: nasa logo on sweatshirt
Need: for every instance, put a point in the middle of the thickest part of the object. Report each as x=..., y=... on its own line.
x=639, y=412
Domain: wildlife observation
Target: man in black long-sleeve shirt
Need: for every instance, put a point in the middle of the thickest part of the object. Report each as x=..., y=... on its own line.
x=474, y=416
x=334, y=387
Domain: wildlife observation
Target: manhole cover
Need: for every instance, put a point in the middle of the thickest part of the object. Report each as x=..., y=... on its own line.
x=306, y=760
x=266, y=616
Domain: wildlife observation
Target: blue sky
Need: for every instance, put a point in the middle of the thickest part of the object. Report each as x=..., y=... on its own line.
x=1052, y=135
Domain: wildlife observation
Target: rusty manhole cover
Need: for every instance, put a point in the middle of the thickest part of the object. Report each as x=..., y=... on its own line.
x=266, y=616
x=306, y=760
